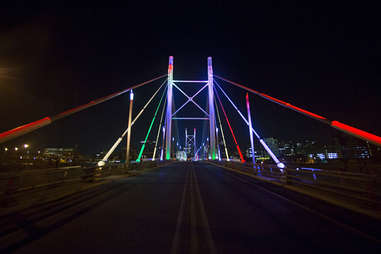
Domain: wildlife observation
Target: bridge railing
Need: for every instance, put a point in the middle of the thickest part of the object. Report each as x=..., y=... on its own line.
x=16, y=183
x=362, y=189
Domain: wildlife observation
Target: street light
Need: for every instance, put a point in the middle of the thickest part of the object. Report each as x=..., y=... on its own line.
x=16, y=148
x=26, y=146
x=6, y=149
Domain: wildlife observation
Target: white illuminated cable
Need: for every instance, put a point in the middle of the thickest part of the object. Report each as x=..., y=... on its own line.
x=222, y=130
x=159, y=130
x=239, y=112
x=105, y=158
x=268, y=150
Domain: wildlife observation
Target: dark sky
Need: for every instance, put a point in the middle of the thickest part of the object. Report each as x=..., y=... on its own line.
x=323, y=57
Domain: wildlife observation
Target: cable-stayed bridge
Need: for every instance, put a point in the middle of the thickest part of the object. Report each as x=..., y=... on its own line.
x=213, y=203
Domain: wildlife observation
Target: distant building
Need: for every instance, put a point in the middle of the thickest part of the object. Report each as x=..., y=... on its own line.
x=60, y=152
x=273, y=144
x=360, y=152
x=64, y=154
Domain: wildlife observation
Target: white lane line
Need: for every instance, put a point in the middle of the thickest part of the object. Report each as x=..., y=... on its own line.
x=193, y=218
x=175, y=242
x=204, y=218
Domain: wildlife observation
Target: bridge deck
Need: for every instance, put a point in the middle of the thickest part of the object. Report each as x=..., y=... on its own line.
x=182, y=208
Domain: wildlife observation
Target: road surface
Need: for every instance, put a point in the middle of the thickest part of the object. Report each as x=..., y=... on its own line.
x=184, y=207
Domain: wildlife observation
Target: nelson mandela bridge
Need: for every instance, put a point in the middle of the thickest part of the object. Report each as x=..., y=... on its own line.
x=210, y=204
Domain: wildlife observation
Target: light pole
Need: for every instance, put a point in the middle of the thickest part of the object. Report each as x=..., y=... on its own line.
x=129, y=130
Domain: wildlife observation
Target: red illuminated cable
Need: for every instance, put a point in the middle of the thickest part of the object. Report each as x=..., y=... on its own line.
x=376, y=140
x=231, y=130
x=277, y=101
x=26, y=128
x=356, y=132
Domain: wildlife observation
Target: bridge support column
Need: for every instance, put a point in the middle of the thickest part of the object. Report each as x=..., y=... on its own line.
x=194, y=144
x=212, y=119
x=168, y=115
x=129, y=130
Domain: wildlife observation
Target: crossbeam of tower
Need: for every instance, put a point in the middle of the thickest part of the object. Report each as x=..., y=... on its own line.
x=208, y=114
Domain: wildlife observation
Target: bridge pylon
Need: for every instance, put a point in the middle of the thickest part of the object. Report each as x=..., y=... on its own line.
x=208, y=113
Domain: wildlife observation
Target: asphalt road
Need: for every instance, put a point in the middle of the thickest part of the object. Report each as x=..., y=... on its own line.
x=184, y=208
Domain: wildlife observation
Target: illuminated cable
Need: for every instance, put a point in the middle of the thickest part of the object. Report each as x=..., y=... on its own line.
x=222, y=131
x=117, y=142
x=231, y=130
x=26, y=128
x=159, y=129
x=376, y=140
x=263, y=143
x=149, y=129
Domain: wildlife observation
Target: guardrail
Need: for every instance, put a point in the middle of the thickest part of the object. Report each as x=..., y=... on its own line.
x=362, y=189
x=35, y=178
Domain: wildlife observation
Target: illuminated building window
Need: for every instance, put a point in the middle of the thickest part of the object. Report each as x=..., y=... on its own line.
x=321, y=156
x=332, y=156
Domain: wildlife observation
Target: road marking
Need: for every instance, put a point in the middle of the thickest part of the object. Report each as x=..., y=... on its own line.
x=175, y=242
x=193, y=218
x=204, y=218
x=196, y=207
x=345, y=226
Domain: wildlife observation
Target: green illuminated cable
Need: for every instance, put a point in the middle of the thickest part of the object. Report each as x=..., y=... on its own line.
x=159, y=129
x=149, y=129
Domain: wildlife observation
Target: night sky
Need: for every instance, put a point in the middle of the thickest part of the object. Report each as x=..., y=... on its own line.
x=324, y=58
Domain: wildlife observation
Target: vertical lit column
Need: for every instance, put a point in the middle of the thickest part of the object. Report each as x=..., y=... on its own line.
x=186, y=141
x=168, y=115
x=162, y=145
x=218, y=145
x=129, y=129
x=212, y=119
x=194, y=143
x=250, y=127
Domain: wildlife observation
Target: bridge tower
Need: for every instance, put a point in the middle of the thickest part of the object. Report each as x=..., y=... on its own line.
x=212, y=118
x=168, y=115
x=190, y=142
x=209, y=114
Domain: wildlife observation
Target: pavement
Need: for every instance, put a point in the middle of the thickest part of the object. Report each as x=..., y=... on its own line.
x=187, y=207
